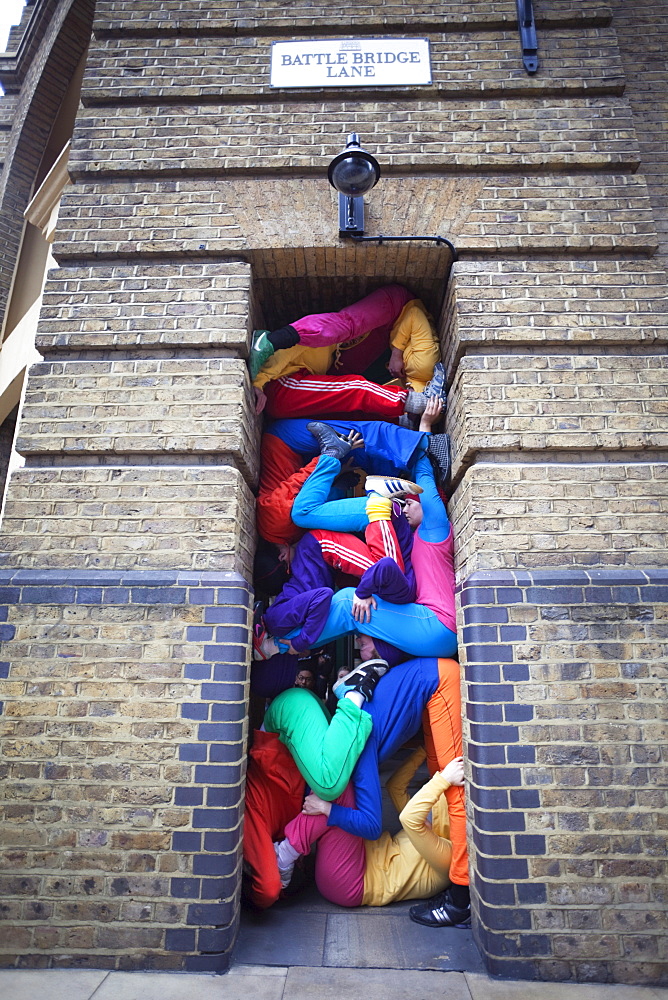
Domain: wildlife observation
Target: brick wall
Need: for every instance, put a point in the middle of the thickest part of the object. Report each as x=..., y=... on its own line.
x=642, y=32
x=36, y=80
x=122, y=750
x=200, y=207
x=566, y=672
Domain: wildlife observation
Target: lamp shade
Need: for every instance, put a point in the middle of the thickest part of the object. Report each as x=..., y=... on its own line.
x=354, y=171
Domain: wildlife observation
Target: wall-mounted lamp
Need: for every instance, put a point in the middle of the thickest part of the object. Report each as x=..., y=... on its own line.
x=352, y=173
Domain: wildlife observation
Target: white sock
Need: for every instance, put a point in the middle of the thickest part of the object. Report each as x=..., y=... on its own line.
x=356, y=697
x=286, y=854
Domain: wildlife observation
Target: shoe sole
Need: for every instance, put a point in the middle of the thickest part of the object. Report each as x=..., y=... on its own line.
x=425, y=923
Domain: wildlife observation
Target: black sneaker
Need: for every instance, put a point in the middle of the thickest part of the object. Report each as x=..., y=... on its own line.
x=439, y=911
x=438, y=451
x=330, y=443
x=362, y=679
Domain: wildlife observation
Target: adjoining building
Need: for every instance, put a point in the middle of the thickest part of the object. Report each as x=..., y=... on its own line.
x=159, y=200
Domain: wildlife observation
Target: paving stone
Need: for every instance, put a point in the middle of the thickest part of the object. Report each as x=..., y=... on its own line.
x=273, y=938
x=53, y=984
x=380, y=942
x=373, y=984
x=258, y=970
x=177, y=986
x=484, y=988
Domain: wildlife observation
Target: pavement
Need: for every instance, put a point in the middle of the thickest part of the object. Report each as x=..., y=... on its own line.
x=256, y=982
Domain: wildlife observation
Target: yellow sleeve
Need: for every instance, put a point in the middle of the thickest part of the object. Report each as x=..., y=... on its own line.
x=315, y=360
x=413, y=334
x=408, y=318
x=397, y=783
x=436, y=850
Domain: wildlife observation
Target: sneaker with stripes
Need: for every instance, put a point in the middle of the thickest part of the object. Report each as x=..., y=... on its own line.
x=440, y=911
x=390, y=488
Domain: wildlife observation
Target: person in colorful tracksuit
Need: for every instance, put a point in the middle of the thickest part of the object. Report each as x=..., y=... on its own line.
x=289, y=366
x=422, y=690
x=382, y=563
x=388, y=450
x=424, y=628
x=412, y=864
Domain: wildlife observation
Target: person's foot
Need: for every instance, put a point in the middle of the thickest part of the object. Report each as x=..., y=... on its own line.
x=438, y=450
x=416, y=402
x=284, y=871
x=362, y=679
x=330, y=442
x=261, y=350
x=436, y=387
x=390, y=488
x=408, y=421
x=264, y=645
x=439, y=911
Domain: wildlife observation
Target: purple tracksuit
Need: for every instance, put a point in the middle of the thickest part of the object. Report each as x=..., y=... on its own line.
x=305, y=599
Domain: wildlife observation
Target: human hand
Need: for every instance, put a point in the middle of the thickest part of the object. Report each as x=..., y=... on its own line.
x=260, y=400
x=356, y=440
x=432, y=413
x=395, y=365
x=315, y=806
x=362, y=607
x=454, y=771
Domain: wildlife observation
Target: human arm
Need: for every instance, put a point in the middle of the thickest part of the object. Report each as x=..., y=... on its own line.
x=260, y=399
x=395, y=365
x=397, y=784
x=362, y=608
x=315, y=806
x=431, y=414
x=435, y=849
x=366, y=820
x=435, y=526
x=387, y=581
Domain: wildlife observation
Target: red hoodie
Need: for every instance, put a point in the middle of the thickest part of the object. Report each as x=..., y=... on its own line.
x=274, y=796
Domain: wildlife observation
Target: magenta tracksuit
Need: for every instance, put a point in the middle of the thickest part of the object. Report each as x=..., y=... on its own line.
x=379, y=309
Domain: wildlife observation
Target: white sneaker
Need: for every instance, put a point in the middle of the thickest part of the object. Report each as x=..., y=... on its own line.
x=390, y=488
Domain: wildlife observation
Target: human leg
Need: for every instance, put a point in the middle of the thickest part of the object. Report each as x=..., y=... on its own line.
x=443, y=741
x=344, y=552
x=303, y=613
x=312, y=509
x=324, y=752
x=340, y=861
x=380, y=308
x=388, y=449
x=410, y=627
x=348, y=554
x=304, y=395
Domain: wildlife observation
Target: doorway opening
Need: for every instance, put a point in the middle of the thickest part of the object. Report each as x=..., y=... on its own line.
x=302, y=927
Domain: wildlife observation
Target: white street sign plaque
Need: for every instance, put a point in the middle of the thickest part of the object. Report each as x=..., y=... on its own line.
x=351, y=62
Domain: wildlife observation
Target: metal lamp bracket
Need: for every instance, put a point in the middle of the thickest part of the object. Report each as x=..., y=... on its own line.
x=351, y=215
x=528, y=38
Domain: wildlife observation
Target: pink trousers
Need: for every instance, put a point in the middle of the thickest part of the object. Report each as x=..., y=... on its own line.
x=379, y=309
x=340, y=860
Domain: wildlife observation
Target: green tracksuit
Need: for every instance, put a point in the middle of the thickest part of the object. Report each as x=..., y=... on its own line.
x=325, y=752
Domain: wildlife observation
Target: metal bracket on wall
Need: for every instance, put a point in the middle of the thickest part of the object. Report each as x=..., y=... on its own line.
x=528, y=37
x=440, y=240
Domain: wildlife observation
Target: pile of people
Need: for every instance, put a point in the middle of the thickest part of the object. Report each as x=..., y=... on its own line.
x=355, y=541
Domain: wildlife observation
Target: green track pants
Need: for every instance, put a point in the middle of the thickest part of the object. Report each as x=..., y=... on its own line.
x=325, y=752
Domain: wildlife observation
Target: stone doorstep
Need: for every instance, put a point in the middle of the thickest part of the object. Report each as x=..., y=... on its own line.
x=298, y=983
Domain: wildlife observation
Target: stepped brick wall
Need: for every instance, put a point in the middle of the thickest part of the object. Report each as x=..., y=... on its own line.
x=200, y=210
